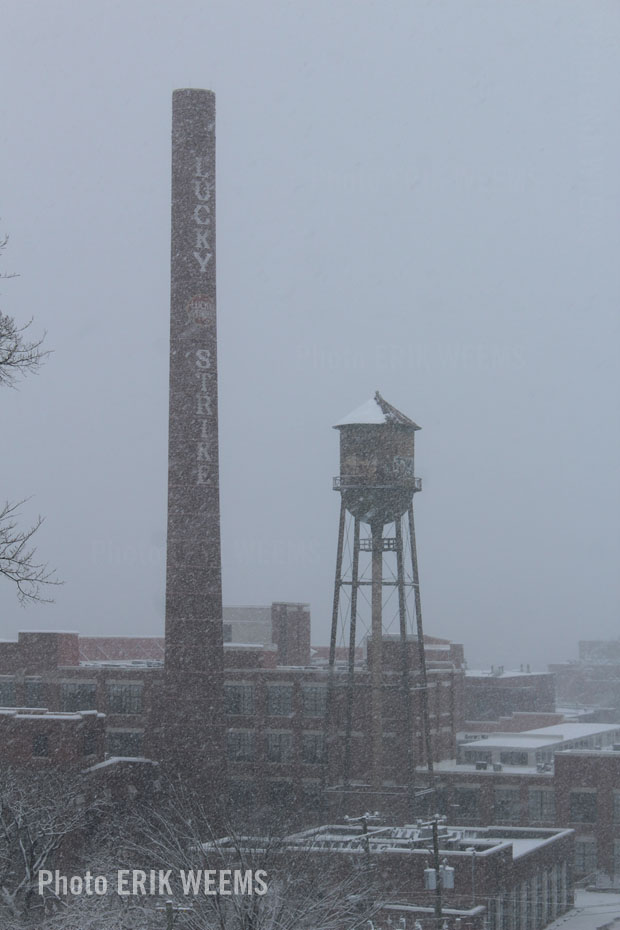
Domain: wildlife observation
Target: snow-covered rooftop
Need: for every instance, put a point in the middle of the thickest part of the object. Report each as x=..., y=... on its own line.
x=500, y=673
x=544, y=736
x=447, y=766
x=40, y=713
x=408, y=839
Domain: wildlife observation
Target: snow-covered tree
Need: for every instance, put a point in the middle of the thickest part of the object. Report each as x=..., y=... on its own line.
x=304, y=888
x=45, y=820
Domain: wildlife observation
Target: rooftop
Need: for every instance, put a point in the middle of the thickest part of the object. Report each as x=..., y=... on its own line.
x=544, y=736
x=408, y=839
x=375, y=411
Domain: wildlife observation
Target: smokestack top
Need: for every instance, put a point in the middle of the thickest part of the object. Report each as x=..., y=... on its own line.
x=192, y=90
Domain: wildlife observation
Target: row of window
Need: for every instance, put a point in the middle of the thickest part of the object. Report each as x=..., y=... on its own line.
x=279, y=747
x=531, y=903
x=122, y=698
x=541, y=804
x=240, y=700
x=33, y=693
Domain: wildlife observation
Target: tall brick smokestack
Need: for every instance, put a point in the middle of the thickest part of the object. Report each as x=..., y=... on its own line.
x=193, y=734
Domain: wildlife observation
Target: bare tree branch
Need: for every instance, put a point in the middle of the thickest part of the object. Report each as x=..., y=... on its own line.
x=20, y=356
x=18, y=560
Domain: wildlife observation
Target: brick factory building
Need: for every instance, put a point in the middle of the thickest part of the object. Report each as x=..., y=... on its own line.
x=274, y=713
x=501, y=692
x=560, y=776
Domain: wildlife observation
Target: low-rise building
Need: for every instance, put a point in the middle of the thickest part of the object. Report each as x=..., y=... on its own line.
x=500, y=692
x=36, y=737
x=567, y=778
x=498, y=877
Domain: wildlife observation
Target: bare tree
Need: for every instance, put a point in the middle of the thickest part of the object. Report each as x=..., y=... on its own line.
x=19, y=356
x=297, y=888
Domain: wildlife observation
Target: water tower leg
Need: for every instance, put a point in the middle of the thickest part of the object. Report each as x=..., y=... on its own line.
x=329, y=709
x=405, y=672
x=352, y=636
x=376, y=677
x=426, y=726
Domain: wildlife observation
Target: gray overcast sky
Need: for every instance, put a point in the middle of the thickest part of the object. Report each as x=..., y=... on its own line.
x=419, y=197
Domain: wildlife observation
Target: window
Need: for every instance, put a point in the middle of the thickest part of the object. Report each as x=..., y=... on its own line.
x=33, y=693
x=279, y=747
x=89, y=744
x=40, y=745
x=477, y=755
x=585, y=856
x=314, y=700
x=227, y=632
x=583, y=807
x=124, y=743
x=539, y=895
x=279, y=792
x=617, y=806
x=466, y=802
x=124, y=698
x=513, y=758
x=507, y=804
x=240, y=745
x=617, y=858
x=313, y=748
x=239, y=699
x=541, y=803
x=7, y=692
x=279, y=700
x=78, y=695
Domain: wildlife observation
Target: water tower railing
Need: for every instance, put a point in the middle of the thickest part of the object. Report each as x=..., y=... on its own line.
x=349, y=482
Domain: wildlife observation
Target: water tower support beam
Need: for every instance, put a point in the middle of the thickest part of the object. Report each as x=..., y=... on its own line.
x=376, y=679
x=426, y=725
x=329, y=709
x=352, y=636
x=337, y=585
x=406, y=679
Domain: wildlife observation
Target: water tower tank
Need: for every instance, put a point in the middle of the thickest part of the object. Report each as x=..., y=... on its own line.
x=376, y=478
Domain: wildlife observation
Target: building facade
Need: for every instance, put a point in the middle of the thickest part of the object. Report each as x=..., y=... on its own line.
x=572, y=782
x=499, y=878
x=278, y=740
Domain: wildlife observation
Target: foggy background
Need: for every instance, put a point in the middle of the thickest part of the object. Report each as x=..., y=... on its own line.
x=415, y=197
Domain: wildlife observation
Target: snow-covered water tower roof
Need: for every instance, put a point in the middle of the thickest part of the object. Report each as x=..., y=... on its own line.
x=376, y=411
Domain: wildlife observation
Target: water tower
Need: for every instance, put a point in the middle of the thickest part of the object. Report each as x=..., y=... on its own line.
x=377, y=485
